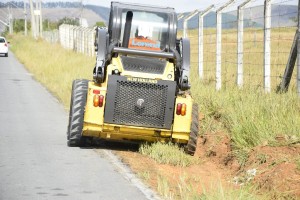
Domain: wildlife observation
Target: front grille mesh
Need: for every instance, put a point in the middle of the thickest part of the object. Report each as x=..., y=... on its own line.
x=127, y=111
x=144, y=65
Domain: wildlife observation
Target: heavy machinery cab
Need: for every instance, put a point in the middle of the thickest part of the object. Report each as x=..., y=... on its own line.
x=158, y=24
x=143, y=31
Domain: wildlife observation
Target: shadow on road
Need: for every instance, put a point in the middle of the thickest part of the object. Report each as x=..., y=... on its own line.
x=113, y=145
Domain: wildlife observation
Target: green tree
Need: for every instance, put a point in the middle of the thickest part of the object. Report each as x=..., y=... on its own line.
x=101, y=24
x=49, y=25
x=18, y=26
x=67, y=20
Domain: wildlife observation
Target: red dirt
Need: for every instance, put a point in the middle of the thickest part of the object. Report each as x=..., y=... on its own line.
x=279, y=171
x=275, y=167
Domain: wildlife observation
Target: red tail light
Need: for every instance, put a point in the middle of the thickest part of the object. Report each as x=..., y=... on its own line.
x=5, y=44
x=101, y=100
x=98, y=100
x=181, y=109
x=178, y=109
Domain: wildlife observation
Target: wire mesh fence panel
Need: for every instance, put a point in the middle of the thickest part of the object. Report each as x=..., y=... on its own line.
x=284, y=26
x=263, y=43
x=253, y=47
x=51, y=36
x=78, y=39
x=209, y=48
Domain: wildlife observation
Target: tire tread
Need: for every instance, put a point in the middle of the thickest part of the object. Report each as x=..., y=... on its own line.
x=76, y=115
x=191, y=146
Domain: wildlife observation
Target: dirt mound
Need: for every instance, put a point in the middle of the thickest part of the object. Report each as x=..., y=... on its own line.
x=273, y=169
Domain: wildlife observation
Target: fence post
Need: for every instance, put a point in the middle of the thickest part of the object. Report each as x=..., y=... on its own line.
x=92, y=42
x=84, y=40
x=72, y=38
x=298, y=51
x=219, y=45
x=68, y=37
x=185, y=21
x=79, y=39
x=179, y=17
x=200, y=40
x=267, y=46
x=184, y=28
x=240, y=49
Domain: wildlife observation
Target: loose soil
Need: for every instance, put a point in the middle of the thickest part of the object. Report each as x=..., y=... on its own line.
x=275, y=170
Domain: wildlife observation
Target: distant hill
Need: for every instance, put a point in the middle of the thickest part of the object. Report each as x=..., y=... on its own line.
x=282, y=15
x=55, y=14
x=103, y=12
x=59, y=4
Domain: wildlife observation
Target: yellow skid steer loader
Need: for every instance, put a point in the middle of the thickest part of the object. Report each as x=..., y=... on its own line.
x=140, y=86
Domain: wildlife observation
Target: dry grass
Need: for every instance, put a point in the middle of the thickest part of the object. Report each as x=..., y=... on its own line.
x=52, y=65
x=167, y=154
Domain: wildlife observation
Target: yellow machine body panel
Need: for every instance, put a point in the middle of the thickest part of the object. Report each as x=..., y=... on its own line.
x=95, y=126
x=167, y=75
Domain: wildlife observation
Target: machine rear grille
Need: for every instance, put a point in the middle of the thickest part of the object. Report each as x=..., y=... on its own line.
x=139, y=104
x=145, y=65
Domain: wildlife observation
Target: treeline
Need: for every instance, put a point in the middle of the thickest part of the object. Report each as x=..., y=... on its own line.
x=19, y=24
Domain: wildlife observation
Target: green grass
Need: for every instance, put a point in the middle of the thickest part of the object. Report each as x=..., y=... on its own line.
x=163, y=187
x=52, y=65
x=251, y=117
x=184, y=190
x=219, y=192
x=167, y=154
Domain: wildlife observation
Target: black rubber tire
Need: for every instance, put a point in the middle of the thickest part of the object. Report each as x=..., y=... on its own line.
x=76, y=115
x=6, y=55
x=191, y=146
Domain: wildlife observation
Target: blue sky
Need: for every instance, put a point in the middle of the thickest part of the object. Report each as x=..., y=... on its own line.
x=179, y=5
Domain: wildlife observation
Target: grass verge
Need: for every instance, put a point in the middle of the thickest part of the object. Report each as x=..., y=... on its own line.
x=52, y=65
x=188, y=191
x=249, y=116
x=167, y=154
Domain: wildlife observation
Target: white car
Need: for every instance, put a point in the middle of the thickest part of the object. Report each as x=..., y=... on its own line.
x=3, y=46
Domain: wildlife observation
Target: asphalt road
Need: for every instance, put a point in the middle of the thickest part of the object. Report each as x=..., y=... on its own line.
x=35, y=162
